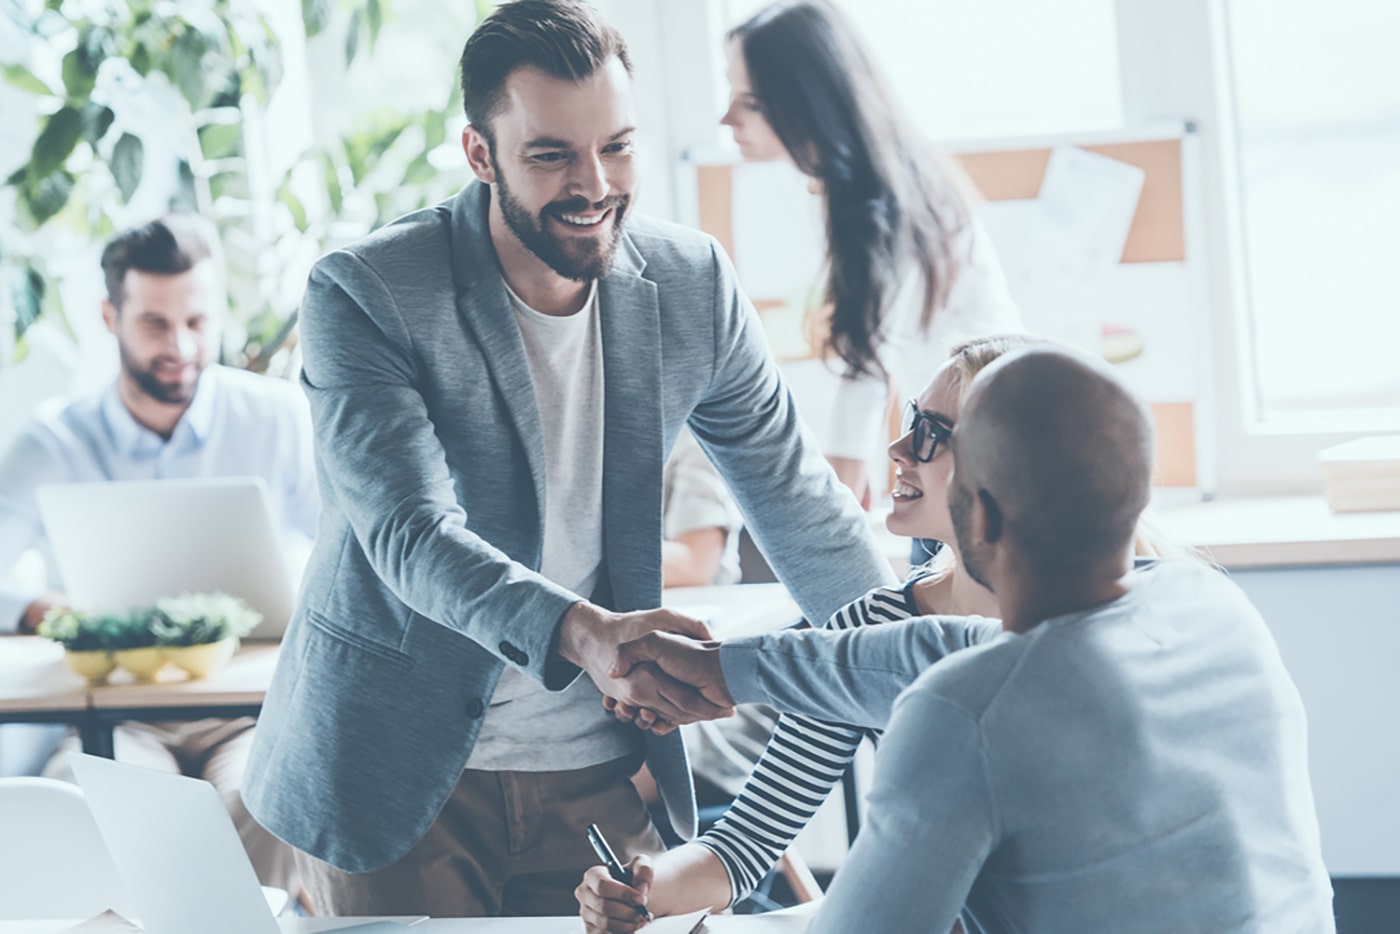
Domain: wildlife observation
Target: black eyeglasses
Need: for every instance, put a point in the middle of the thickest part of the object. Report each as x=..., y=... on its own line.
x=929, y=431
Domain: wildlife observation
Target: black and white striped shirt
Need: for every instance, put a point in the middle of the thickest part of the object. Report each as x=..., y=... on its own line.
x=803, y=762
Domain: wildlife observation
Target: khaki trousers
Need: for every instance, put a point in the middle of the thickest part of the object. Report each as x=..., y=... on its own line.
x=214, y=750
x=505, y=844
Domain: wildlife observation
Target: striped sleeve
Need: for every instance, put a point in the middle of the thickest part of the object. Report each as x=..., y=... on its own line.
x=803, y=762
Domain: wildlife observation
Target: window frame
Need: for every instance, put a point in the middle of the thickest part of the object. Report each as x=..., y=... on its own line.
x=1175, y=63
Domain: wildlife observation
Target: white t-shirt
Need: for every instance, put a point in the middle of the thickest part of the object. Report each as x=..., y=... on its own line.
x=527, y=728
x=978, y=304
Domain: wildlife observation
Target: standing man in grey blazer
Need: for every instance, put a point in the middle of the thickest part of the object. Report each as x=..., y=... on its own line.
x=495, y=383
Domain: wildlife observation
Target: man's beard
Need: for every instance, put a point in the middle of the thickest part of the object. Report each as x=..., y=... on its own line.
x=145, y=378
x=578, y=259
x=960, y=508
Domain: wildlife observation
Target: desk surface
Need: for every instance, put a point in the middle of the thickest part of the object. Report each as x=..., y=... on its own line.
x=736, y=609
x=778, y=923
x=34, y=678
x=1282, y=531
x=243, y=680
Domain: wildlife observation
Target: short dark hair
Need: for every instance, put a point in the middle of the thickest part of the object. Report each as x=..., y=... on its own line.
x=166, y=246
x=567, y=39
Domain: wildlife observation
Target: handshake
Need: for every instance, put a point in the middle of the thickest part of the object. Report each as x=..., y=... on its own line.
x=656, y=668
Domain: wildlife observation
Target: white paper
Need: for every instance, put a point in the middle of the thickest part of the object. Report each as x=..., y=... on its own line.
x=678, y=924
x=109, y=922
x=1090, y=200
x=1058, y=248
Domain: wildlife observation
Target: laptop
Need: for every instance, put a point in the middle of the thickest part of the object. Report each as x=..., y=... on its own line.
x=125, y=544
x=176, y=849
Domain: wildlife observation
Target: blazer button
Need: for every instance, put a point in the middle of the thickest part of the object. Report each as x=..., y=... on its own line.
x=475, y=708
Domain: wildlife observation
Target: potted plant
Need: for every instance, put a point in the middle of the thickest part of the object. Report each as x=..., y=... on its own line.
x=135, y=645
x=200, y=632
x=86, y=642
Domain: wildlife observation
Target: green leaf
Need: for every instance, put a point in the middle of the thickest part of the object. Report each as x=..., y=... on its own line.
x=97, y=120
x=315, y=16
x=419, y=171
x=294, y=205
x=352, y=37
x=25, y=80
x=140, y=59
x=187, y=67
x=434, y=131
x=128, y=161
x=53, y=309
x=220, y=141
x=333, y=183
x=374, y=12
x=78, y=78
x=29, y=300
x=186, y=197
x=56, y=141
x=80, y=66
x=383, y=208
x=48, y=197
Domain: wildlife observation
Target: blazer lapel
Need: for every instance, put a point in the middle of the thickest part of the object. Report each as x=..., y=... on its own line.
x=485, y=310
x=632, y=431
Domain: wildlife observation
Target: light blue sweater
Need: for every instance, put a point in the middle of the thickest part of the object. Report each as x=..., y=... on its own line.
x=1139, y=767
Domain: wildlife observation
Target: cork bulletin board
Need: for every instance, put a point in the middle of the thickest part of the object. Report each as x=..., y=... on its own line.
x=1147, y=311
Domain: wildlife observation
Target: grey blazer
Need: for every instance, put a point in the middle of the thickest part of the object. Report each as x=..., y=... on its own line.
x=423, y=582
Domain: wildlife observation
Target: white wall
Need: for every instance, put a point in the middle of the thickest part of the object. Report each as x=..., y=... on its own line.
x=1339, y=632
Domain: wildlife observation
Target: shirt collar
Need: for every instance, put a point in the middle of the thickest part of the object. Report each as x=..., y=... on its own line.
x=129, y=435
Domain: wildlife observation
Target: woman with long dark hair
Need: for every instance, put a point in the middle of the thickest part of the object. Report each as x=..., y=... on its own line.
x=909, y=272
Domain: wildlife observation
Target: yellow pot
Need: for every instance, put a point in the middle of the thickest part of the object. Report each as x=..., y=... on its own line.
x=202, y=660
x=95, y=666
x=144, y=663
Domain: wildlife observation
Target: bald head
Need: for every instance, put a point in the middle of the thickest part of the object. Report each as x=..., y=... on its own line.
x=1063, y=450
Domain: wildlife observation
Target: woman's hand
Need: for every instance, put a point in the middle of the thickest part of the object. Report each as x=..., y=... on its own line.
x=607, y=905
x=683, y=880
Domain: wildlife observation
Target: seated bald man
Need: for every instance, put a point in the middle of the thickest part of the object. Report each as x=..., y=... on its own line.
x=1124, y=751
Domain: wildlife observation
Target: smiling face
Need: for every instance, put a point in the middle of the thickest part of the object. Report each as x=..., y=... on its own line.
x=562, y=165
x=165, y=329
x=920, y=494
x=752, y=132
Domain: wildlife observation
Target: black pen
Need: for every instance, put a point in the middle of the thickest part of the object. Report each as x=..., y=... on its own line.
x=605, y=853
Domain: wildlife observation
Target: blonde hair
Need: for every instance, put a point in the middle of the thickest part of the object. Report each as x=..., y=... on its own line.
x=971, y=357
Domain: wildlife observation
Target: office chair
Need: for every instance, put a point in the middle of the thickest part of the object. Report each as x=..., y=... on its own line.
x=54, y=863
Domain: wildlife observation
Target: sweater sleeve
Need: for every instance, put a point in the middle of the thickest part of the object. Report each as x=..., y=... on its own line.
x=804, y=760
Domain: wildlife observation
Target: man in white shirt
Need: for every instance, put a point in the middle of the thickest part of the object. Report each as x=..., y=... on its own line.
x=170, y=414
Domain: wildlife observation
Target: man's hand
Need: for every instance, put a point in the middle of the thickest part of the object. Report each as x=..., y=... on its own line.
x=33, y=614
x=686, y=661
x=589, y=637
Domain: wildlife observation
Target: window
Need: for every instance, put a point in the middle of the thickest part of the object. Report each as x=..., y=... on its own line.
x=1316, y=93
x=974, y=69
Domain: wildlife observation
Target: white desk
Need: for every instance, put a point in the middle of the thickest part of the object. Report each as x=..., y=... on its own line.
x=37, y=687
x=736, y=609
x=778, y=923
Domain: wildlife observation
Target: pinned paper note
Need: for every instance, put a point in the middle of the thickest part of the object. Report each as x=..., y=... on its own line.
x=1058, y=247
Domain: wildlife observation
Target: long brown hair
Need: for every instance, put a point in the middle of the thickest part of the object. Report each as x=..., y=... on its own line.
x=888, y=201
